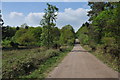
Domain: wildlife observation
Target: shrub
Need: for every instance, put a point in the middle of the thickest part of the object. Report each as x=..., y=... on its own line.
x=70, y=42
x=6, y=43
x=110, y=46
x=27, y=39
x=108, y=40
x=93, y=45
x=113, y=49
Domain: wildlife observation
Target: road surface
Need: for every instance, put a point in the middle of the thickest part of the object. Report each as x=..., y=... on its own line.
x=81, y=64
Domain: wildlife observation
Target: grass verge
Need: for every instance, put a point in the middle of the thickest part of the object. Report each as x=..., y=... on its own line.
x=105, y=58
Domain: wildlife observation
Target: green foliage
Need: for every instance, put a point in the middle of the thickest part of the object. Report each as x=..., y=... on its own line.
x=46, y=37
x=48, y=65
x=110, y=46
x=104, y=28
x=56, y=37
x=56, y=33
x=18, y=34
x=108, y=40
x=8, y=32
x=25, y=62
x=36, y=33
x=82, y=35
x=26, y=39
x=67, y=35
x=29, y=36
x=16, y=63
x=48, y=23
x=96, y=8
x=5, y=43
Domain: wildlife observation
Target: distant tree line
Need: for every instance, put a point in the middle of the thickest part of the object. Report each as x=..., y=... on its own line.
x=33, y=36
x=48, y=35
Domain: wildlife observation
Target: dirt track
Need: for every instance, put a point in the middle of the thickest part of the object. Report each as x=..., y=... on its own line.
x=81, y=64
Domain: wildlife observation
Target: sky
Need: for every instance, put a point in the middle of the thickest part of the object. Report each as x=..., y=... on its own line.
x=17, y=13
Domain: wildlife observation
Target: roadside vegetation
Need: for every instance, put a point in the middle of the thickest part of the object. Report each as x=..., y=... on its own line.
x=28, y=52
x=31, y=63
x=101, y=35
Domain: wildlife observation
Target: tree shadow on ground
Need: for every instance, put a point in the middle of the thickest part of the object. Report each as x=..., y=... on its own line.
x=19, y=48
x=79, y=51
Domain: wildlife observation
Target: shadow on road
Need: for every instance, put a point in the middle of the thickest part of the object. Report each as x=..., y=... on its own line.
x=79, y=51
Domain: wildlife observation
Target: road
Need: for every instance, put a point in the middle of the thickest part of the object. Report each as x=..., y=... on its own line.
x=81, y=64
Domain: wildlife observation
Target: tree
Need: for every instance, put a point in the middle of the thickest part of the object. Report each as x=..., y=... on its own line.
x=103, y=29
x=27, y=40
x=24, y=26
x=17, y=28
x=18, y=35
x=56, y=37
x=30, y=36
x=37, y=31
x=8, y=32
x=96, y=8
x=67, y=35
x=48, y=22
x=1, y=21
x=82, y=34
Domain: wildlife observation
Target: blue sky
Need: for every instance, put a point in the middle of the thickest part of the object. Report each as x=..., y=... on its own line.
x=17, y=13
x=27, y=7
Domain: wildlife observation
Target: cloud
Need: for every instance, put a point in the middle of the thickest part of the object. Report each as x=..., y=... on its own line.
x=34, y=18
x=14, y=19
x=70, y=16
x=73, y=17
x=15, y=15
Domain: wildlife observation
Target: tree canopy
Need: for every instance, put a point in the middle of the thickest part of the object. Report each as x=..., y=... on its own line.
x=103, y=28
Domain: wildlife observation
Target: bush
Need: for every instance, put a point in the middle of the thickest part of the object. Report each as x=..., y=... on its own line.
x=110, y=46
x=56, y=46
x=113, y=49
x=6, y=43
x=70, y=42
x=93, y=45
x=84, y=39
x=8, y=32
x=108, y=41
x=28, y=37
